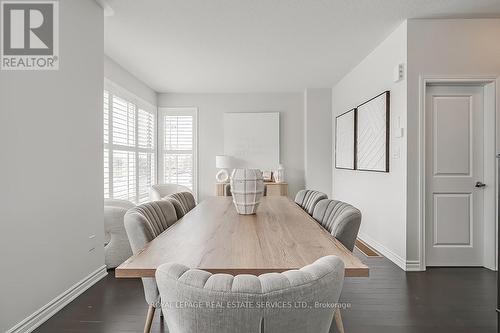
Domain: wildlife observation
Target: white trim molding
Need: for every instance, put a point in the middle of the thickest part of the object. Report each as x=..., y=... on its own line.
x=41, y=315
x=108, y=10
x=413, y=266
x=383, y=250
x=491, y=85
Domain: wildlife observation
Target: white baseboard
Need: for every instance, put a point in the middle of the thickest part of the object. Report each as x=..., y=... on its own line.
x=383, y=250
x=45, y=312
x=413, y=266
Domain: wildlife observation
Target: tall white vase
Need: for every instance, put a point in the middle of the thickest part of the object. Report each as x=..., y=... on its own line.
x=247, y=188
x=279, y=175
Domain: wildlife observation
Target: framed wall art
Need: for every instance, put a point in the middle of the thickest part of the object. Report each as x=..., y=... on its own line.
x=372, y=134
x=345, y=137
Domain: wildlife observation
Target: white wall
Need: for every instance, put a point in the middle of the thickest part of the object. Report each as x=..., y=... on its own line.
x=119, y=75
x=211, y=108
x=381, y=197
x=51, y=175
x=444, y=48
x=318, y=139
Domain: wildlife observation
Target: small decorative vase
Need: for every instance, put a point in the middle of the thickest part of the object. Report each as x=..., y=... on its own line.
x=247, y=187
x=279, y=175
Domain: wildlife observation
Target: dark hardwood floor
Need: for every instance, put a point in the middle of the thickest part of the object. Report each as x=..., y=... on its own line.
x=440, y=300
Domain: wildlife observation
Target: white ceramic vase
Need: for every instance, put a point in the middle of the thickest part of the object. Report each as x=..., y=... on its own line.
x=247, y=188
x=279, y=175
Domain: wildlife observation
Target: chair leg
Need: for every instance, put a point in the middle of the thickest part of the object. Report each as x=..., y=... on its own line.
x=149, y=319
x=338, y=321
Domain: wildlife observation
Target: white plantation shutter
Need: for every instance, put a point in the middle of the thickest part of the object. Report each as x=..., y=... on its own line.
x=106, y=116
x=146, y=156
x=177, y=140
x=146, y=170
x=129, y=146
x=124, y=186
x=106, y=142
x=145, y=129
x=123, y=122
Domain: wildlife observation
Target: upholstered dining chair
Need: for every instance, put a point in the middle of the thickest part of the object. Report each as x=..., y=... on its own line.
x=143, y=223
x=307, y=199
x=183, y=202
x=159, y=191
x=340, y=219
x=269, y=303
x=116, y=245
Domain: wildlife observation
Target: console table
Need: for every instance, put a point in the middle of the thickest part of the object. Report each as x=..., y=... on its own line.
x=272, y=189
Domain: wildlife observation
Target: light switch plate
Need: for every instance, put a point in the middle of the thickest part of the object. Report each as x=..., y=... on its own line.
x=396, y=153
x=399, y=73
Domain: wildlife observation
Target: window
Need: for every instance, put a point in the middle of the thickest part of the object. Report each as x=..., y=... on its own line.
x=177, y=162
x=129, y=146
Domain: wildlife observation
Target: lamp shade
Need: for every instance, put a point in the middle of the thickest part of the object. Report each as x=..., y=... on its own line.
x=223, y=162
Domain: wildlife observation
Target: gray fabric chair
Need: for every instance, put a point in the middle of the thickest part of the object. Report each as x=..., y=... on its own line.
x=143, y=223
x=116, y=245
x=179, y=211
x=340, y=219
x=307, y=199
x=214, y=299
x=159, y=191
x=183, y=202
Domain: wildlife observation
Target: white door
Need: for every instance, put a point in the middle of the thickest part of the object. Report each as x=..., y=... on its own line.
x=454, y=175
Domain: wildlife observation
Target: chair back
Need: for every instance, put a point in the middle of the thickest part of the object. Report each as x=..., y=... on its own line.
x=274, y=302
x=340, y=219
x=117, y=247
x=307, y=199
x=143, y=223
x=183, y=202
x=159, y=191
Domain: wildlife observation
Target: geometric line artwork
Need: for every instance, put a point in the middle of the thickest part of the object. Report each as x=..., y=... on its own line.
x=344, y=140
x=372, y=139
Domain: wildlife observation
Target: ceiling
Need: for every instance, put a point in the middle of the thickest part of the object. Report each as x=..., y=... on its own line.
x=216, y=46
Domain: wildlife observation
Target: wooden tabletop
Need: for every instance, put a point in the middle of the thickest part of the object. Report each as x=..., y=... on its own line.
x=215, y=238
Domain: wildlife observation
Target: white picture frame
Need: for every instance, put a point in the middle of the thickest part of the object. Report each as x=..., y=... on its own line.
x=372, y=134
x=345, y=134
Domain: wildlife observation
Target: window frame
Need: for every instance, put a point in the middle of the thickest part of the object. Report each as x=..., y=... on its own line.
x=114, y=89
x=176, y=111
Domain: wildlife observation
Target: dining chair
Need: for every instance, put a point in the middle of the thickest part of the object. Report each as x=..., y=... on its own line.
x=307, y=199
x=143, y=223
x=295, y=301
x=116, y=245
x=159, y=191
x=183, y=202
x=340, y=219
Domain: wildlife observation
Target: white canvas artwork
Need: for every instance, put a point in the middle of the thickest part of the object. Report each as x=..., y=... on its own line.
x=344, y=141
x=252, y=139
x=372, y=134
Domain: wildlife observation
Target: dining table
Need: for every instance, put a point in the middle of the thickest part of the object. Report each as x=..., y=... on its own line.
x=213, y=237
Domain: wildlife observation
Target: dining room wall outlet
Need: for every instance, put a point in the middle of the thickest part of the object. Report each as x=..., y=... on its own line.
x=92, y=243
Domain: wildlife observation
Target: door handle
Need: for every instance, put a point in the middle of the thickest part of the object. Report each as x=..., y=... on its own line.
x=479, y=184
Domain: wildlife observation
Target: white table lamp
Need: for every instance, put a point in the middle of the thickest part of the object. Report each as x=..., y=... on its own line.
x=223, y=162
